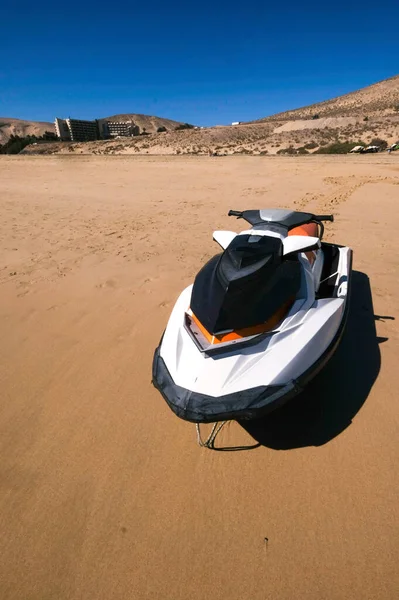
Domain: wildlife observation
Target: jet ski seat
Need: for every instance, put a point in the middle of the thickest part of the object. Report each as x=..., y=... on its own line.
x=246, y=285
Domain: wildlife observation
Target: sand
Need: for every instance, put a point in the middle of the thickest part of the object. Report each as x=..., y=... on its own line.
x=324, y=122
x=104, y=494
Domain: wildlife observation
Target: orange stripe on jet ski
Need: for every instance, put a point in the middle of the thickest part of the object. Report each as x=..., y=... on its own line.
x=247, y=331
x=309, y=229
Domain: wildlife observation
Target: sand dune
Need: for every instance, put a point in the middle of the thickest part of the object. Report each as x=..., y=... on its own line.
x=104, y=492
x=324, y=122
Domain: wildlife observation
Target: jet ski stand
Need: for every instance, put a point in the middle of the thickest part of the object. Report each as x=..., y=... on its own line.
x=210, y=440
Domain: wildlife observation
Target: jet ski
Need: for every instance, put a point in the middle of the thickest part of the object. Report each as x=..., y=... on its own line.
x=260, y=321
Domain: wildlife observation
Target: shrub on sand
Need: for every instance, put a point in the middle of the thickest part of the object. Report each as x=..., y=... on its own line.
x=383, y=144
x=289, y=150
x=339, y=147
x=311, y=145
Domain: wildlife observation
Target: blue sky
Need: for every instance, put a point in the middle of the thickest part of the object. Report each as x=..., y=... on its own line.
x=203, y=62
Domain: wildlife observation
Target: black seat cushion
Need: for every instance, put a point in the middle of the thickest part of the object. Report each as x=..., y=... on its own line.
x=245, y=285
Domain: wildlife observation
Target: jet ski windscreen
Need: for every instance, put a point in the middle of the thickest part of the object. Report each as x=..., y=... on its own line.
x=245, y=285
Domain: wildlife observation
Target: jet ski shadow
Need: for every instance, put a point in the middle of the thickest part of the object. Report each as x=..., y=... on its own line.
x=334, y=397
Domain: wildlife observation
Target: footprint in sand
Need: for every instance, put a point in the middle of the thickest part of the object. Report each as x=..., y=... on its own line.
x=109, y=283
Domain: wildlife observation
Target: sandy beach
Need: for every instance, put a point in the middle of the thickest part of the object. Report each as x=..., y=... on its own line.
x=104, y=493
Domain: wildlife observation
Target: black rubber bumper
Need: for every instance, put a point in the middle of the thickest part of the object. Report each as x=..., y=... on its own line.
x=201, y=408
x=247, y=404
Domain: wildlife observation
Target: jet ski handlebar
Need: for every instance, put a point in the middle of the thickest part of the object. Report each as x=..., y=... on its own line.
x=282, y=217
x=324, y=218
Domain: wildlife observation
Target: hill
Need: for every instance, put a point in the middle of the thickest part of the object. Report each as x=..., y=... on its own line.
x=10, y=126
x=364, y=116
x=147, y=123
x=379, y=99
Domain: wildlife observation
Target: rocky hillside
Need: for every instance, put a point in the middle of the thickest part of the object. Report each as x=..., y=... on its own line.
x=272, y=137
x=380, y=99
x=369, y=115
x=22, y=128
x=146, y=123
